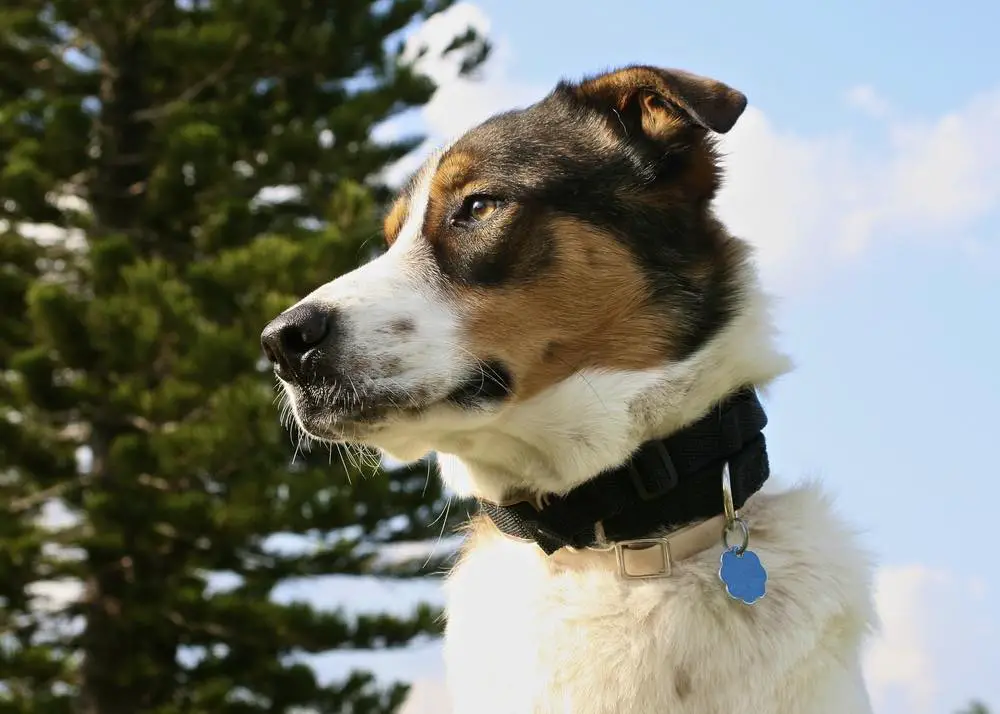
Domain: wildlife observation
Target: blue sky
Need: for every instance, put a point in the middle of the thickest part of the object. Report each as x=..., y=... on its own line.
x=867, y=173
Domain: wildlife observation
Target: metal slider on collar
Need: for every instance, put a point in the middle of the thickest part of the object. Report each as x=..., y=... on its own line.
x=646, y=558
x=661, y=553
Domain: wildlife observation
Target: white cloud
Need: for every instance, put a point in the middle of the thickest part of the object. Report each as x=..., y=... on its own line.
x=944, y=173
x=937, y=648
x=779, y=189
x=432, y=37
x=462, y=102
x=808, y=200
x=459, y=102
x=900, y=658
x=865, y=98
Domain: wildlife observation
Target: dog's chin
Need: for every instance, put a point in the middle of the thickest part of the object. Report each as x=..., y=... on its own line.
x=359, y=417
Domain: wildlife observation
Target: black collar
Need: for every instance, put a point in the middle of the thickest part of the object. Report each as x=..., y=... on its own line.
x=668, y=483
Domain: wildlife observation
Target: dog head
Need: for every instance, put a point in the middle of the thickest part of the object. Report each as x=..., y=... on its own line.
x=547, y=277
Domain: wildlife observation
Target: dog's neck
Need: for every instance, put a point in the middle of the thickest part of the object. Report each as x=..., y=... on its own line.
x=664, y=486
x=595, y=420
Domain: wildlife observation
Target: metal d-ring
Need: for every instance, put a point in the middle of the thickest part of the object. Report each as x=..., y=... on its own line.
x=744, y=535
x=733, y=519
x=727, y=497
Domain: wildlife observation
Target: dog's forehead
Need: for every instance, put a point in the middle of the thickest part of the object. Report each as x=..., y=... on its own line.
x=523, y=144
x=506, y=133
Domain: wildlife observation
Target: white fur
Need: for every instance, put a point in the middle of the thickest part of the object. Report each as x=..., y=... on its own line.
x=526, y=638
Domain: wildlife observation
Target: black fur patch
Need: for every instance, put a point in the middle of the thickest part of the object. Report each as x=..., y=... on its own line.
x=491, y=382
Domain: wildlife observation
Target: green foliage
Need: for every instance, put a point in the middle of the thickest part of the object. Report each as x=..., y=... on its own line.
x=975, y=707
x=138, y=264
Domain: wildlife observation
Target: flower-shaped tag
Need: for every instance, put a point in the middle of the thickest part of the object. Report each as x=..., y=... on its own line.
x=743, y=575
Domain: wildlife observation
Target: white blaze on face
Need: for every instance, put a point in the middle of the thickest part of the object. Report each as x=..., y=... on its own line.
x=396, y=329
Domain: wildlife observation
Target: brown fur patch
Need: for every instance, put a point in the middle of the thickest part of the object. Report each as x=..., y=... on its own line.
x=454, y=179
x=394, y=220
x=591, y=308
x=457, y=168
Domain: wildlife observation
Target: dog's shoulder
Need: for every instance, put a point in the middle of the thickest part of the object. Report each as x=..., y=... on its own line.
x=589, y=641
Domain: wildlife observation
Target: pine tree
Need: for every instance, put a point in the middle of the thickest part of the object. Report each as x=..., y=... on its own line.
x=29, y=668
x=143, y=247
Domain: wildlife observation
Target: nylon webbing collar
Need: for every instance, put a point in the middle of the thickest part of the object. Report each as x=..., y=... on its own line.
x=668, y=483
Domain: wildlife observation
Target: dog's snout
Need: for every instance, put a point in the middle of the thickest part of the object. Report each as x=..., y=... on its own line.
x=290, y=336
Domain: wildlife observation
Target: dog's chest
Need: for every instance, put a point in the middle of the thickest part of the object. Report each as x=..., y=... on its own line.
x=524, y=640
x=579, y=642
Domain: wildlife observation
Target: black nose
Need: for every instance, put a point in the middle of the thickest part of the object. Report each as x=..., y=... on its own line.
x=289, y=337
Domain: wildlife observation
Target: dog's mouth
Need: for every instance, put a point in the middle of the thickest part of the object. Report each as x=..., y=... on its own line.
x=345, y=409
x=490, y=382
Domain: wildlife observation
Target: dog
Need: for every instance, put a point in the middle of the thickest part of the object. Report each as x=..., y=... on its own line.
x=562, y=318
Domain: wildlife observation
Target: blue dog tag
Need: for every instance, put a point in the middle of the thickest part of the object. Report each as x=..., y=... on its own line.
x=743, y=575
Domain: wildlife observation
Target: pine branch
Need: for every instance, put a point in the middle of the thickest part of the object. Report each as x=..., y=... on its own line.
x=191, y=93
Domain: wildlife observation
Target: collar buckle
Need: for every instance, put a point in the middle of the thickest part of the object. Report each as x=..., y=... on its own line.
x=660, y=568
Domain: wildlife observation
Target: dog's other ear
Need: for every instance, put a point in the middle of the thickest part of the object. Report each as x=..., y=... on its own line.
x=657, y=99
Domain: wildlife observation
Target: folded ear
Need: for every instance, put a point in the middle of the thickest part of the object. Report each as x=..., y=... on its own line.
x=658, y=98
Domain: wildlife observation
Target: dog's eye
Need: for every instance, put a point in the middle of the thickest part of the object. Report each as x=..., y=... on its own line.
x=476, y=209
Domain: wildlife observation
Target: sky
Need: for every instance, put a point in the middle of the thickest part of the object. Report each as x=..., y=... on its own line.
x=866, y=171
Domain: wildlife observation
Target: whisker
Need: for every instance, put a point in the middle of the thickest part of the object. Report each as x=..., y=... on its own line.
x=340, y=453
x=444, y=524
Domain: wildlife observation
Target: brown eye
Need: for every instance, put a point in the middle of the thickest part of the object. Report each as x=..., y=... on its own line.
x=476, y=209
x=481, y=208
